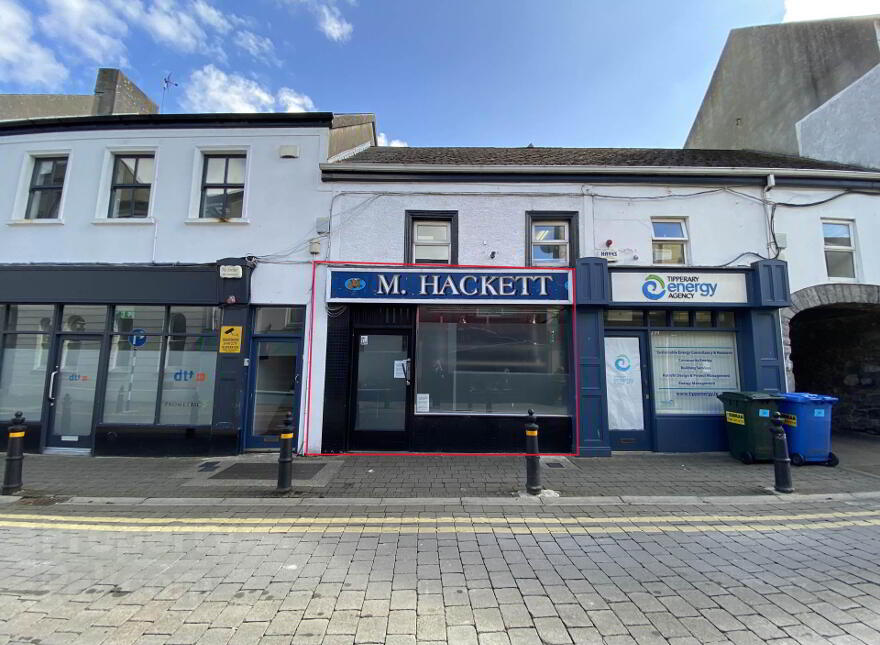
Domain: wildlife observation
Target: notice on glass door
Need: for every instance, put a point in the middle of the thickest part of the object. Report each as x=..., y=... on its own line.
x=400, y=369
x=423, y=402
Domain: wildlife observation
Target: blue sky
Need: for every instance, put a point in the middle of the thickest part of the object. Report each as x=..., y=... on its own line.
x=616, y=73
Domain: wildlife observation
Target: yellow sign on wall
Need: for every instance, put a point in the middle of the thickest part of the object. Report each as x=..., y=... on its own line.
x=230, y=339
x=789, y=420
x=735, y=417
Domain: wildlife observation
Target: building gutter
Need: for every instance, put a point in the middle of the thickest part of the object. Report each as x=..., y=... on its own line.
x=793, y=177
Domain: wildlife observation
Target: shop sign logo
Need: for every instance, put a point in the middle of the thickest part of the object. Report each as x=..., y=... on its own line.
x=654, y=287
x=189, y=375
x=622, y=363
x=355, y=284
x=677, y=287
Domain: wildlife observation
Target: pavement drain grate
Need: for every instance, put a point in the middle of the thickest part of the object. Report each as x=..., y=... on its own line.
x=267, y=471
x=209, y=466
x=555, y=464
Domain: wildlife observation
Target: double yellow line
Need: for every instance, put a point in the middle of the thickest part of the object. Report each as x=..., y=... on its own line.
x=464, y=524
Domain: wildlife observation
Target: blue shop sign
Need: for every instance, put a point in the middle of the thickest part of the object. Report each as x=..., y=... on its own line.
x=402, y=285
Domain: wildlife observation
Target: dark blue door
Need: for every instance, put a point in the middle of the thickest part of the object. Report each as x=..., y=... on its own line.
x=628, y=391
x=275, y=375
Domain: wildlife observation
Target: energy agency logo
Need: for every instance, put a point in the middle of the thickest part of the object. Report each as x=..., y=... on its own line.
x=355, y=284
x=622, y=363
x=654, y=287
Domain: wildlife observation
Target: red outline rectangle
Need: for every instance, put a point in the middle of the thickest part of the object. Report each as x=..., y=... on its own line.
x=575, y=355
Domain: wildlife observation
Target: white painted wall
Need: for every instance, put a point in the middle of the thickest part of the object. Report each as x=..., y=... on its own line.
x=845, y=128
x=282, y=199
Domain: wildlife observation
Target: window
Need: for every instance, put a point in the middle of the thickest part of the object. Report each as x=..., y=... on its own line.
x=164, y=353
x=223, y=186
x=839, y=249
x=24, y=352
x=130, y=188
x=493, y=360
x=47, y=184
x=691, y=368
x=551, y=239
x=431, y=238
x=280, y=320
x=669, y=243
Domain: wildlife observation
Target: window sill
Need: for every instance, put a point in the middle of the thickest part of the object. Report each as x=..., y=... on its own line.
x=35, y=222
x=129, y=221
x=213, y=220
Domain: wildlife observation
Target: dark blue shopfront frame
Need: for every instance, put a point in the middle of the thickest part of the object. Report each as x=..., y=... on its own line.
x=759, y=349
x=475, y=286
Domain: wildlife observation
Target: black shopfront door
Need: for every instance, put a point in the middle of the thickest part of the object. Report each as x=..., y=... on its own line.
x=381, y=407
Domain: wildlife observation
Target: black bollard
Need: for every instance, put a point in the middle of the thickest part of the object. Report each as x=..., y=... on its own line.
x=533, y=460
x=14, y=456
x=285, y=456
x=781, y=462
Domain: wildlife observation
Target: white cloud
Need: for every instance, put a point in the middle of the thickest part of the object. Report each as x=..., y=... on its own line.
x=212, y=90
x=22, y=59
x=91, y=27
x=382, y=140
x=293, y=101
x=168, y=24
x=211, y=16
x=260, y=47
x=820, y=9
x=331, y=22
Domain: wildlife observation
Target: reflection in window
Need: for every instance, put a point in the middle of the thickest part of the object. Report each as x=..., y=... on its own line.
x=130, y=190
x=47, y=184
x=30, y=318
x=493, y=361
x=132, y=379
x=280, y=320
x=84, y=318
x=148, y=318
x=669, y=244
x=550, y=244
x=223, y=186
x=23, y=375
x=188, y=383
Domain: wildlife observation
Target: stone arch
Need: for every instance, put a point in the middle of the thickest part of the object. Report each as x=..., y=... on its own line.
x=832, y=301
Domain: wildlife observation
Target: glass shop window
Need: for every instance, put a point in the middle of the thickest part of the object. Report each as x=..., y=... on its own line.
x=691, y=368
x=493, y=360
x=188, y=382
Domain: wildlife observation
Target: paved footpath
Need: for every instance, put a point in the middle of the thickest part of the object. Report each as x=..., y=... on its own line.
x=502, y=572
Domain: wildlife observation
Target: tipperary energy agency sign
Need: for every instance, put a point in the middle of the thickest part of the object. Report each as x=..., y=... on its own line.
x=383, y=285
x=679, y=287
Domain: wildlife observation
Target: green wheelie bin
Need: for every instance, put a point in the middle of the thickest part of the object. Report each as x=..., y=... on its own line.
x=747, y=417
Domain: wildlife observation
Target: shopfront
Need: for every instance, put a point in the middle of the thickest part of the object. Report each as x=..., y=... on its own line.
x=658, y=345
x=448, y=360
x=143, y=360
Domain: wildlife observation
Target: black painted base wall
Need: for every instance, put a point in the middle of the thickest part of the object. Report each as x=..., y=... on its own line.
x=488, y=434
x=159, y=441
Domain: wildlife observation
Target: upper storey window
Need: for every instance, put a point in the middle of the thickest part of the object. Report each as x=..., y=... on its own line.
x=130, y=190
x=223, y=186
x=552, y=240
x=839, y=249
x=47, y=184
x=669, y=242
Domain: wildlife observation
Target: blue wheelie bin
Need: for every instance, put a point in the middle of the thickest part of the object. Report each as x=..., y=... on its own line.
x=807, y=419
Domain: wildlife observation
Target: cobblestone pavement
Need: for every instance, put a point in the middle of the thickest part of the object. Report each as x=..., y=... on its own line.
x=399, y=475
x=754, y=573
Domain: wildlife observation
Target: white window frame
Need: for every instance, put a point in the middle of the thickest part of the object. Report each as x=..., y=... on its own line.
x=851, y=249
x=565, y=242
x=685, y=241
x=102, y=214
x=445, y=223
x=22, y=195
x=195, y=199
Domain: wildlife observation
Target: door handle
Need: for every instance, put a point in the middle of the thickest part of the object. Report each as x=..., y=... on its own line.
x=52, y=385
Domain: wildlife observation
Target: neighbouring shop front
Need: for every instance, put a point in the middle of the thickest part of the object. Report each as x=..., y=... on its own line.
x=145, y=360
x=659, y=344
x=447, y=360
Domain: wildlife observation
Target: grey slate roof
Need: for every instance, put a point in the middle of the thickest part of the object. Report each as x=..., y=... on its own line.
x=644, y=157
